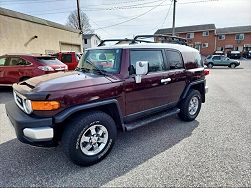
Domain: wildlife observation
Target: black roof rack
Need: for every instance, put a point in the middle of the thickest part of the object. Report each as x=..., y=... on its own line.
x=102, y=43
x=162, y=38
x=136, y=39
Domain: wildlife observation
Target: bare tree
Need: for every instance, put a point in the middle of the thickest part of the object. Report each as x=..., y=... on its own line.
x=72, y=21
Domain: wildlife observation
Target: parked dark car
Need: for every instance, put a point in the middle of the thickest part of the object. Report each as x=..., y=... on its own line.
x=219, y=60
x=234, y=54
x=15, y=68
x=247, y=54
x=71, y=59
x=117, y=87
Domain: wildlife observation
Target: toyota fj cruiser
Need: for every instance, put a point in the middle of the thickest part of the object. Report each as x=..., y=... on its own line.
x=123, y=86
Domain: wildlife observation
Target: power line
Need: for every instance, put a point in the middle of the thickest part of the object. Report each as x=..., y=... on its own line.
x=114, y=8
x=131, y=18
x=166, y=15
x=27, y=2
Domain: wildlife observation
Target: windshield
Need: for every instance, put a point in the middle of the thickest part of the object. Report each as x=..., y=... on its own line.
x=106, y=60
x=49, y=61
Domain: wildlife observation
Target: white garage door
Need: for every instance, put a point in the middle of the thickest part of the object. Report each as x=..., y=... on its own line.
x=70, y=47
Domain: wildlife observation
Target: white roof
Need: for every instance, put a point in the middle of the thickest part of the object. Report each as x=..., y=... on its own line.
x=179, y=47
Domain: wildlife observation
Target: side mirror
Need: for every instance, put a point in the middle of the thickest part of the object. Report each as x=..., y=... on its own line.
x=141, y=69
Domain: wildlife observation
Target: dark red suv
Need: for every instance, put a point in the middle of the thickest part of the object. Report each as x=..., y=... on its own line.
x=71, y=59
x=15, y=68
x=120, y=87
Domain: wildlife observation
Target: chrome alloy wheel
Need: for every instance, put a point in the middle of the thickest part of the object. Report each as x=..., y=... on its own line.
x=94, y=140
x=193, y=105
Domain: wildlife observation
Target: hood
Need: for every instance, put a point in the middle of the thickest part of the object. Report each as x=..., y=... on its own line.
x=65, y=81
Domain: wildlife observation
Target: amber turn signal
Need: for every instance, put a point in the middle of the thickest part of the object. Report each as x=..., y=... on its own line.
x=45, y=105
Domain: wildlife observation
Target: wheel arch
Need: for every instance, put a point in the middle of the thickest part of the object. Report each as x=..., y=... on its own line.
x=197, y=85
x=111, y=107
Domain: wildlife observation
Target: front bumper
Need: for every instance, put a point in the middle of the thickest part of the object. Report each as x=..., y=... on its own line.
x=30, y=130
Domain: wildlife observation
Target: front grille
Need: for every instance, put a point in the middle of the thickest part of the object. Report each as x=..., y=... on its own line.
x=19, y=99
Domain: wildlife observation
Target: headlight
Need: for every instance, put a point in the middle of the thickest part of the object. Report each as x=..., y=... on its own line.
x=27, y=106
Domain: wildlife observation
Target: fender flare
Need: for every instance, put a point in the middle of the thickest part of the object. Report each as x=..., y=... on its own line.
x=60, y=117
x=185, y=92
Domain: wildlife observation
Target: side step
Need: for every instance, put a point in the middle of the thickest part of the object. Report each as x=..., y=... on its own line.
x=150, y=119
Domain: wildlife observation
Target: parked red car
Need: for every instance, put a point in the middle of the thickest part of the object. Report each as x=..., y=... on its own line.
x=16, y=68
x=71, y=59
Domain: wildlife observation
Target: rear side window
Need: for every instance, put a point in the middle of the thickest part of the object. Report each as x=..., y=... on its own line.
x=66, y=58
x=49, y=61
x=216, y=58
x=154, y=58
x=174, y=59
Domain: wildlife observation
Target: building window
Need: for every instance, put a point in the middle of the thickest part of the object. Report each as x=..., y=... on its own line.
x=221, y=37
x=85, y=41
x=190, y=35
x=239, y=36
x=204, y=45
x=205, y=33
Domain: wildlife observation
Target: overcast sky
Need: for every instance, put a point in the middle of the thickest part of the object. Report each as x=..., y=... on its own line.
x=139, y=16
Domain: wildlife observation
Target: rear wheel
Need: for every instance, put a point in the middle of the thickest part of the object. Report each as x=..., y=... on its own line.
x=210, y=65
x=232, y=65
x=89, y=137
x=190, y=106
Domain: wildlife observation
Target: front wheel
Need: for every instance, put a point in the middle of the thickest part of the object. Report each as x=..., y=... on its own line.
x=89, y=137
x=190, y=106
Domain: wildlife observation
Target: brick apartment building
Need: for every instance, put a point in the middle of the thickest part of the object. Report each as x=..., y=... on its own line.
x=207, y=39
x=234, y=38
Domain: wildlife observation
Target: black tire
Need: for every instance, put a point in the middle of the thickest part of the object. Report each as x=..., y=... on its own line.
x=232, y=66
x=76, y=129
x=184, y=114
x=210, y=65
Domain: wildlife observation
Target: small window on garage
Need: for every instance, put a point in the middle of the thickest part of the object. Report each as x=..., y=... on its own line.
x=174, y=59
x=154, y=58
x=66, y=58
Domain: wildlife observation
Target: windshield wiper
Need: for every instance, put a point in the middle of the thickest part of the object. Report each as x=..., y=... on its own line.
x=96, y=69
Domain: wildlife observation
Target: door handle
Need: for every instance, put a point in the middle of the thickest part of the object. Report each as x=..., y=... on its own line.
x=165, y=80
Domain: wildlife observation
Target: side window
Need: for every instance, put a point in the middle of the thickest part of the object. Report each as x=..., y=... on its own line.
x=174, y=59
x=14, y=61
x=154, y=58
x=66, y=58
x=23, y=62
x=216, y=58
x=2, y=61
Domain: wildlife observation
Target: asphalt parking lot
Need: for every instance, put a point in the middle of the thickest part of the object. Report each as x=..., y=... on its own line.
x=214, y=150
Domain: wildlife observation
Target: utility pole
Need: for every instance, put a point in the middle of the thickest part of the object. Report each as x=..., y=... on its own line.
x=174, y=7
x=79, y=20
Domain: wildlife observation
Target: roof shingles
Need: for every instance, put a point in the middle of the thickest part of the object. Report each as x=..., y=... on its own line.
x=229, y=30
x=185, y=29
